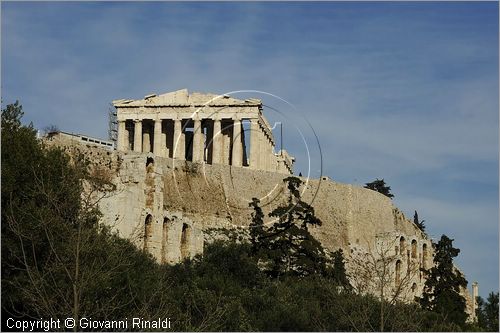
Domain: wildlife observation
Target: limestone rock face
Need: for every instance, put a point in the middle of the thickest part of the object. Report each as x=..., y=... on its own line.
x=171, y=208
x=158, y=199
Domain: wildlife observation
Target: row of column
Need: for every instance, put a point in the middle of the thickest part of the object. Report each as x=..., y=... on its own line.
x=261, y=150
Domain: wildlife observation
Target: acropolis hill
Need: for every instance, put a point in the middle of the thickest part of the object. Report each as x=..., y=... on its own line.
x=183, y=178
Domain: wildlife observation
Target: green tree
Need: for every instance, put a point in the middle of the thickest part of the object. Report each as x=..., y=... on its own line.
x=442, y=287
x=379, y=185
x=57, y=259
x=339, y=275
x=419, y=223
x=257, y=231
x=288, y=248
x=487, y=312
x=224, y=290
x=21, y=154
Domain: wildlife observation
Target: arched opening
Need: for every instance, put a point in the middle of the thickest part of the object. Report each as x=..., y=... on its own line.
x=413, y=249
x=413, y=287
x=402, y=246
x=185, y=238
x=424, y=256
x=398, y=272
x=148, y=231
x=408, y=263
x=164, y=239
x=149, y=161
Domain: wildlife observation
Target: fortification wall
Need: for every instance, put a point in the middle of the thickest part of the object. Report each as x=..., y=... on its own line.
x=218, y=196
x=172, y=208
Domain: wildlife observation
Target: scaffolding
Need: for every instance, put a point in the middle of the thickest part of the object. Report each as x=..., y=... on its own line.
x=112, y=124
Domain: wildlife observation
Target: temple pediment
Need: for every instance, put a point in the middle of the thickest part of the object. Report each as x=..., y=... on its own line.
x=182, y=97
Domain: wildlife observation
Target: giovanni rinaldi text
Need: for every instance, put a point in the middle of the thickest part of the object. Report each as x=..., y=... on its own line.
x=87, y=324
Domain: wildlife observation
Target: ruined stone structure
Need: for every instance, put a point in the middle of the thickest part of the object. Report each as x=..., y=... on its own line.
x=171, y=197
x=200, y=128
x=81, y=139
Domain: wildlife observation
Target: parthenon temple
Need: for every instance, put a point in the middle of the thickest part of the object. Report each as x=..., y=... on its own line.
x=202, y=128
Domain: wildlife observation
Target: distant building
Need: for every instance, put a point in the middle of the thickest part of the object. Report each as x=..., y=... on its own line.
x=79, y=138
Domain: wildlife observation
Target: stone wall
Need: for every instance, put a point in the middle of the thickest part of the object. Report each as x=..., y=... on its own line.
x=171, y=208
x=218, y=196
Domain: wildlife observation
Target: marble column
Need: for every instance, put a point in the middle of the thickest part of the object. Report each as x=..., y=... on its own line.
x=120, y=140
x=237, y=157
x=197, y=142
x=157, y=141
x=146, y=138
x=179, y=149
x=475, y=294
x=263, y=145
x=272, y=158
x=217, y=143
x=254, y=144
x=164, y=139
x=138, y=136
x=126, y=138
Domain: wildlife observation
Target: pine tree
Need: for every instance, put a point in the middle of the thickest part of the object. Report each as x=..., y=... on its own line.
x=287, y=247
x=379, y=185
x=257, y=231
x=443, y=284
x=487, y=312
x=339, y=274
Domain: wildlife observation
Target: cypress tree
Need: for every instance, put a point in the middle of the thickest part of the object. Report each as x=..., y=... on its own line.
x=443, y=284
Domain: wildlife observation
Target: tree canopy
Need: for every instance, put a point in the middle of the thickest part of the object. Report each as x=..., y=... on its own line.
x=487, y=312
x=287, y=248
x=379, y=186
x=57, y=260
x=443, y=285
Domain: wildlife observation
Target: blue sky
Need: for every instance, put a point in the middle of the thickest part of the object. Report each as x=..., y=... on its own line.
x=407, y=92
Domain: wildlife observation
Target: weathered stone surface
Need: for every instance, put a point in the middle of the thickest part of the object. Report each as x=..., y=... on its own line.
x=191, y=124
x=171, y=207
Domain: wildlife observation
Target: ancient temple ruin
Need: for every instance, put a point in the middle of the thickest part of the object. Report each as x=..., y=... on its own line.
x=173, y=209
x=202, y=128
